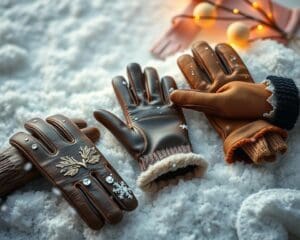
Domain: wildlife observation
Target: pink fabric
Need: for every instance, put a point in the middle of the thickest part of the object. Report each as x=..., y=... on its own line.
x=184, y=31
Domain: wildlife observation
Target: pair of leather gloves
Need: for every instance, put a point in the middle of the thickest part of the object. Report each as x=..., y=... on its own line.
x=155, y=132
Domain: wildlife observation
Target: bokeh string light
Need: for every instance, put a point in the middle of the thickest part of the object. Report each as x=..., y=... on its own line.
x=205, y=14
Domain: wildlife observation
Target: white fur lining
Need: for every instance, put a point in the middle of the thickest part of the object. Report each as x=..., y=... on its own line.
x=271, y=99
x=146, y=181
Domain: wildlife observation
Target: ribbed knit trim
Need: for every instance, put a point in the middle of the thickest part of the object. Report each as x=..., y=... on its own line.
x=246, y=134
x=286, y=97
x=150, y=159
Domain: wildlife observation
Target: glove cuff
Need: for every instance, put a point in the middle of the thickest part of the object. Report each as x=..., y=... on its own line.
x=168, y=166
x=247, y=142
x=285, y=102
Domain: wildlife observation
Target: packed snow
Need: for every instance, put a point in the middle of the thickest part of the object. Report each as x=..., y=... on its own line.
x=59, y=57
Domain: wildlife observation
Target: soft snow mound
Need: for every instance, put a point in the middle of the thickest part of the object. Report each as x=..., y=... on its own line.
x=72, y=50
x=270, y=215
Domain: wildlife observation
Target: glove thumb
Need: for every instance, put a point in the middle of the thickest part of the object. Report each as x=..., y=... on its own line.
x=130, y=138
x=199, y=101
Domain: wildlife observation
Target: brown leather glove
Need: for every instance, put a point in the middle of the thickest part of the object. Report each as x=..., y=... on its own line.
x=72, y=163
x=16, y=170
x=156, y=133
x=211, y=71
x=229, y=101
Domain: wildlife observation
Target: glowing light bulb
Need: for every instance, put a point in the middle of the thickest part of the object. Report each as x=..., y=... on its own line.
x=205, y=10
x=260, y=27
x=270, y=15
x=255, y=4
x=238, y=34
x=236, y=11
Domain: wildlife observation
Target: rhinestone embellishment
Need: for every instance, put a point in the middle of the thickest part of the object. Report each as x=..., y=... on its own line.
x=27, y=166
x=109, y=179
x=26, y=139
x=34, y=146
x=86, y=181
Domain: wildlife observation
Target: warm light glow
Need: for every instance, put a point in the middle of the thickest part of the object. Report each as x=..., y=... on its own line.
x=270, y=15
x=235, y=11
x=238, y=33
x=260, y=27
x=197, y=18
x=255, y=4
x=203, y=11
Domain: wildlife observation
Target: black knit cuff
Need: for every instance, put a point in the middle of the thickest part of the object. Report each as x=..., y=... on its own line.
x=286, y=96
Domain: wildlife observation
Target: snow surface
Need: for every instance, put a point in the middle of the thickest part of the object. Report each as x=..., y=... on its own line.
x=269, y=215
x=59, y=57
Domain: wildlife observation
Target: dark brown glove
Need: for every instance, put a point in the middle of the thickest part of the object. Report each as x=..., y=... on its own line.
x=68, y=159
x=209, y=71
x=156, y=133
x=16, y=170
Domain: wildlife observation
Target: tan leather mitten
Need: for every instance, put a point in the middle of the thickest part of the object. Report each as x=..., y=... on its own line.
x=222, y=72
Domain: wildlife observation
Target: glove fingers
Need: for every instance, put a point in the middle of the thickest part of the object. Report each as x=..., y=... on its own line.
x=117, y=188
x=123, y=93
x=64, y=126
x=101, y=201
x=79, y=122
x=152, y=85
x=136, y=79
x=29, y=146
x=92, y=133
x=118, y=128
x=207, y=60
x=81, y=202
x=231, y=60
x=196, y=78
x=45, y=133
x=204, y=102
x=168, y=85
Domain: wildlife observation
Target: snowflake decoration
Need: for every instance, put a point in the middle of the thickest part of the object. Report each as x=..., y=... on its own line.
x=122, y=190
x=183, y=126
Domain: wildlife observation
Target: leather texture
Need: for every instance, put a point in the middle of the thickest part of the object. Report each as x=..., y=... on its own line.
x=155, y=128
x=208, y=72
x=229, y=101
x=16, y=171
x=72, y=163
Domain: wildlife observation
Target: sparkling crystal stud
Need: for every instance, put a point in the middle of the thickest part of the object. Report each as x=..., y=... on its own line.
x=26, y=139
x=34, y=146
x=86, y=181
x=109, y=179
x=171, y=90
x=27, y=166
